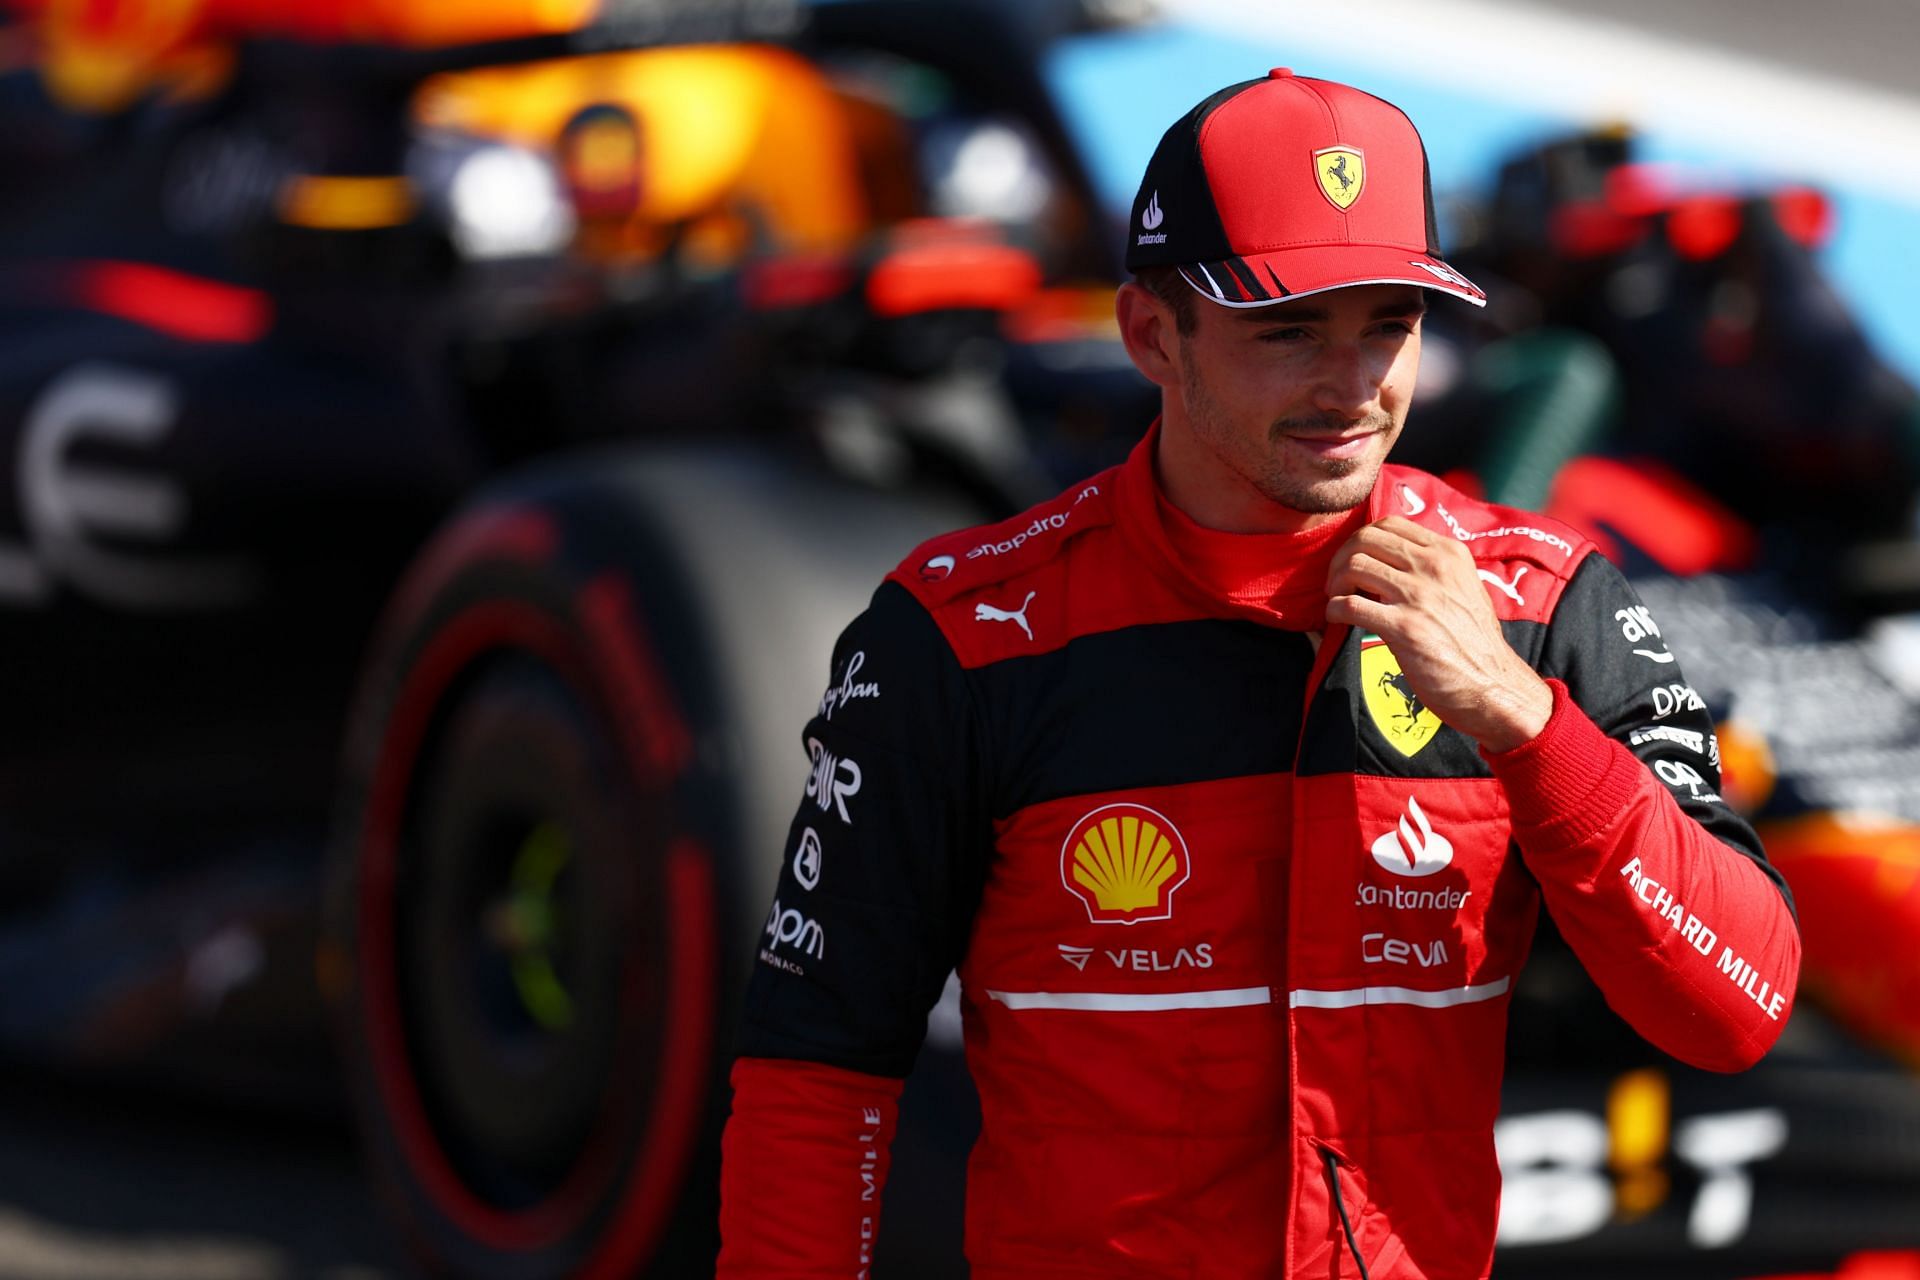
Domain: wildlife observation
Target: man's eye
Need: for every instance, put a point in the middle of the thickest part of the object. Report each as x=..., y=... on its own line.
x=1284, y=335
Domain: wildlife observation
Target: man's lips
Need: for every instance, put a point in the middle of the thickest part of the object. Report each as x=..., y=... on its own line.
x=1341, y=446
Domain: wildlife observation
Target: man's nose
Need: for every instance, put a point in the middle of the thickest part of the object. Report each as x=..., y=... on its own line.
x=1346, y=382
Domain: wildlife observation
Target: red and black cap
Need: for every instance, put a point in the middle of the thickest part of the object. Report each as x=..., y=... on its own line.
x=1277, y=188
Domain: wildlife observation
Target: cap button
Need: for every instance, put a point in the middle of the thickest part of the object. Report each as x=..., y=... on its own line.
x=1280, y=73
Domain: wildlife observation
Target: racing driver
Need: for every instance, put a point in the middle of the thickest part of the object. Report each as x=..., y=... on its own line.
x=1232, y=781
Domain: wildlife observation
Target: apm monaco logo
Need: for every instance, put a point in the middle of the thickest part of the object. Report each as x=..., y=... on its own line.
x=1406, y=851
x=1342, y=172
x=1395, y=709
x=1124, y=861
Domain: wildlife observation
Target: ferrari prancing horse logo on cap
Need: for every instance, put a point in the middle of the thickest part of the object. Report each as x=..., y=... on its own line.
x=1342, y=172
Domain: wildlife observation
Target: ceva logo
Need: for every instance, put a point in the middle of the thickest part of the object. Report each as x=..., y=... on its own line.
x=1407, y=852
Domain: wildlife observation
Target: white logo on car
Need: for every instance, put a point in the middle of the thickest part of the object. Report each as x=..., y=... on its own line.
x=832, y=780
x=1506, y=587
x=987, y=613
x=97, y=524
x=806, y=860
x=1406, y=852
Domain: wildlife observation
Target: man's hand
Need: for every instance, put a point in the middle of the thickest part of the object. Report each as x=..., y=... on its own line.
x=1417, y=590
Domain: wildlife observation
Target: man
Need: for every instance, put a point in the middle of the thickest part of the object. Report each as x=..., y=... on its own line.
x=1232, y=781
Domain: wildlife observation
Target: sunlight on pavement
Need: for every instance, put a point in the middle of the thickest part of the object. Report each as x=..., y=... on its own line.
x=33, y=1249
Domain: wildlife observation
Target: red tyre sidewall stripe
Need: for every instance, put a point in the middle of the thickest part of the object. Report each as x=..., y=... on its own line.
x=495, y=625
x=679, y=1101
x=660, y=747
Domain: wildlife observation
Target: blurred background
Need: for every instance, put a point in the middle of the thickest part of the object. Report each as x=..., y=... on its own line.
x=441, y=440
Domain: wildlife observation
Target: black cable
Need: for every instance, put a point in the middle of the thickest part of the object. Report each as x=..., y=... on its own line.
x=1340, y=1207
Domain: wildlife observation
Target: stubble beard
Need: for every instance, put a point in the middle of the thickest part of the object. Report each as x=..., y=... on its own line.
x=1315, y=486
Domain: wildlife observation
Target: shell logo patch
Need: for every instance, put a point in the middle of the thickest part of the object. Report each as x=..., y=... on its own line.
x=1124, y=861
x=1395, y=708
x=1342, y=172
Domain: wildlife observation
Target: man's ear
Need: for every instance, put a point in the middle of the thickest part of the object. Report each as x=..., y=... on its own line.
x=1151, y=333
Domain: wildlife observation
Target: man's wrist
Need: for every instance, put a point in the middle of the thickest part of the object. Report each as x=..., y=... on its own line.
x=1518, y=716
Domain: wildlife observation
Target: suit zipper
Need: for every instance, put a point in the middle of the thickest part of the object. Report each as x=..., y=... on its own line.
x=1333, y=1162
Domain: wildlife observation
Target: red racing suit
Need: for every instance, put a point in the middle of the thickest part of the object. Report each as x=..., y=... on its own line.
x=1236, y=918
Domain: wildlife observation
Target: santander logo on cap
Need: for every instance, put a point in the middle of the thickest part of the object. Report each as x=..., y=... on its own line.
x=1151, y=217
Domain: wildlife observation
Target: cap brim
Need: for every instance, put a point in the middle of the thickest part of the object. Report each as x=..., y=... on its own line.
x=1261, y=280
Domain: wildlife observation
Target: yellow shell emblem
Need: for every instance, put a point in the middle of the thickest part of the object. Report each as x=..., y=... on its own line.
x=1124, y=861
x=1396, y=709
x=1342, y=172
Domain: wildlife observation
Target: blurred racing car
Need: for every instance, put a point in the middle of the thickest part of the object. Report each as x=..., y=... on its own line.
x=549, y=397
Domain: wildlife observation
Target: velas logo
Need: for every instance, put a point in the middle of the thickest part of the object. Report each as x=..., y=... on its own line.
x=1124, y=861
x=1406, y=851
x=1342, y=172
x=1395, y=709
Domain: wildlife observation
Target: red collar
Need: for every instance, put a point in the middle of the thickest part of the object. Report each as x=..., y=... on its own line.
x=1278, y=579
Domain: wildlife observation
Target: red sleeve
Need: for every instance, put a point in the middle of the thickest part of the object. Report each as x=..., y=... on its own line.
x=1688, y=939
x=802, y=1164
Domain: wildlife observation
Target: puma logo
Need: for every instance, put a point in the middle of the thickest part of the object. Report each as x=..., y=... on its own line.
x=987, y=613
x=1509, y=589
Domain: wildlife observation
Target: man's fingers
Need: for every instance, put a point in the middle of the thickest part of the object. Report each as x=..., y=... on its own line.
x=1406, y=529
x=1382, y=546
x=1358, y=611
x=1361, y=573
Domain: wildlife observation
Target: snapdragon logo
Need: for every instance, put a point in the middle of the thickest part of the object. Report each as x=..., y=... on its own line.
x=1410, y=852
x=1541, y=536
x=1041, y=524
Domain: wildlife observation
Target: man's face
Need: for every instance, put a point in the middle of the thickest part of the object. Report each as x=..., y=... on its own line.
x=1299, y=402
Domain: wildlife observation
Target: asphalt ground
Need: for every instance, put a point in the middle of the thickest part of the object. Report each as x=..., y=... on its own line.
x=101, y=1180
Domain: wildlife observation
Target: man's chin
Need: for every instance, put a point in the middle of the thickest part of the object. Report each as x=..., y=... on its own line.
x=1330, y=494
